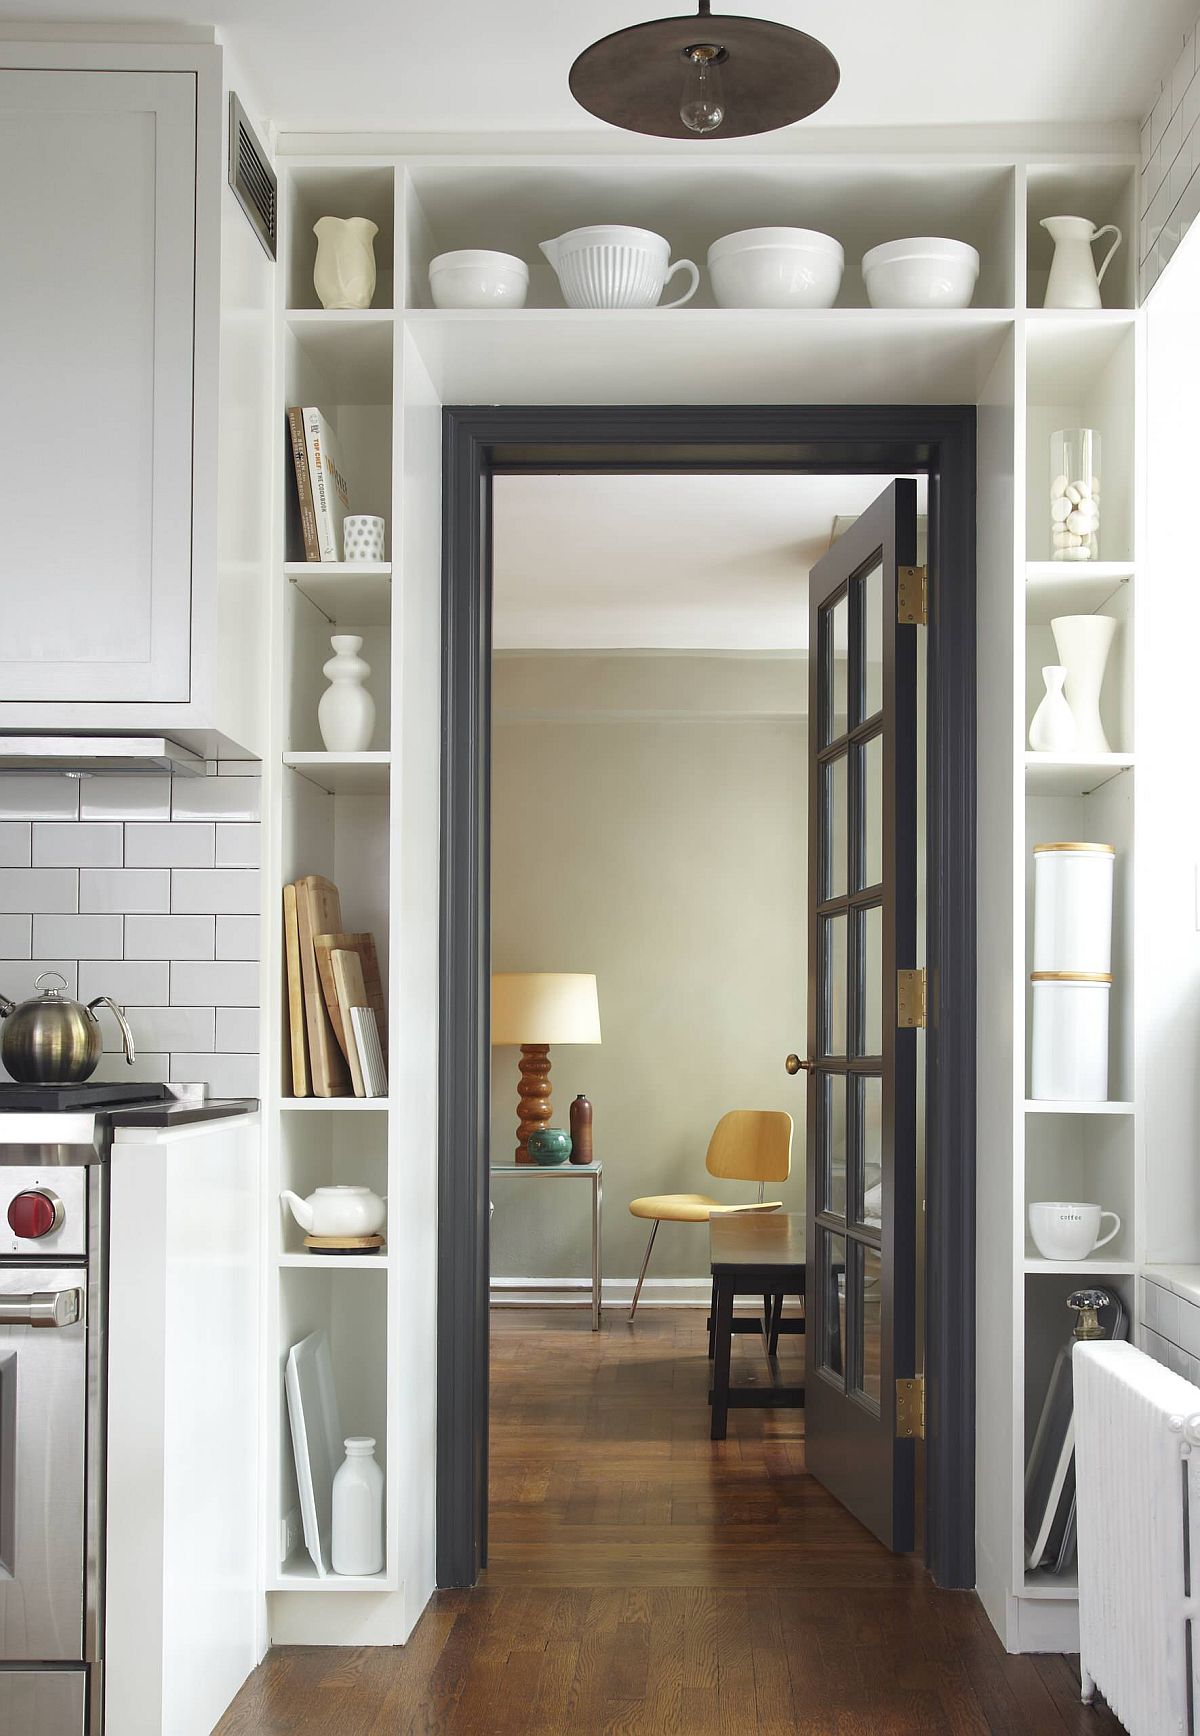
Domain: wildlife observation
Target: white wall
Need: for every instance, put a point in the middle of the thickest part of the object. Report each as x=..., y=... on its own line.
x=1170, y=179
x=650, y=826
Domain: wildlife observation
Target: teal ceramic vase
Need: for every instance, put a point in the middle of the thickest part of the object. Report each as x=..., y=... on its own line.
x=550, y=1145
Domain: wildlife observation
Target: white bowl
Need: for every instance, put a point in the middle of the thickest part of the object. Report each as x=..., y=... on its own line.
x=473, y=277
x=924, y=271
x=776, y=268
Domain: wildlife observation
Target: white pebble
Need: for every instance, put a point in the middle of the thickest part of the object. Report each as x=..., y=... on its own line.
x=1073, y=494
x=1082, y=523
x=1066, y=539
x=1060, y=510
x=1058, y=487
x=1082, y=487
x=1080, y=554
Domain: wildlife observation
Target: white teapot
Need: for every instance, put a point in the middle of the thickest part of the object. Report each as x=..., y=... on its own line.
x=338, y=1211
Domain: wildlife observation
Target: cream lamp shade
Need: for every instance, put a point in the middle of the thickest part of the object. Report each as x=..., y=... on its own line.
x=542, y=1007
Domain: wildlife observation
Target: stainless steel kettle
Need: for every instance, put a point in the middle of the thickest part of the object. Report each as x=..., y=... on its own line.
x=51, y=1040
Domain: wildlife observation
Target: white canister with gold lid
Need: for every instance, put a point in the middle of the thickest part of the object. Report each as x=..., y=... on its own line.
x=1069, y=1050
x=1072, y=908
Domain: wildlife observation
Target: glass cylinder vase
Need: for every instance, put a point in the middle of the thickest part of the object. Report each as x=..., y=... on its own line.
x=1075, y=495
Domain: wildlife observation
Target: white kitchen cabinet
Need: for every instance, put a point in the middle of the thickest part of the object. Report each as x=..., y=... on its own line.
x=183, y=1611
x=98, y=203
x=135, y=383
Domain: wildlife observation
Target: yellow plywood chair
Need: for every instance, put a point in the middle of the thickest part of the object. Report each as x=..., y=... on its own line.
x=747, y=1145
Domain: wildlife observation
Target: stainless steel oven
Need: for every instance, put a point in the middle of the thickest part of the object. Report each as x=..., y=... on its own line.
x=53, y=1236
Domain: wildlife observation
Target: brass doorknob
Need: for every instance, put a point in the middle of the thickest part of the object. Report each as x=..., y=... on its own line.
x=795, y=1065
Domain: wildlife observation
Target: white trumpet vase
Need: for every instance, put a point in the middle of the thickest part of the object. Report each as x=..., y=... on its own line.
x=1084, y=642
x=346, y=711
x=1053, y=729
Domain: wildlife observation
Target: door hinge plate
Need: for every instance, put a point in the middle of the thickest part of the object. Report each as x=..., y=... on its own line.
x=912, y=597
x=910, y=1409
x=910, y=999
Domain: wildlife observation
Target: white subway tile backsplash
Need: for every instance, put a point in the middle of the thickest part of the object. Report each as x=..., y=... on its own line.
x=161, y=912
x=15, y=845
x=227, y=1075
x=168, y=844
x=216, y=799
x=23, y=890
x=238, y=845
x=18, y=976
x=136, y=982
x=146, y=1069
x=134, y=797
x=216, y=983
x=159, y=1028
x=233, y=891
x=38, y=796
x=59, y=845
x=125, y=889
x=170, y=937
x=16, y=937
x=238, y=1029
x=238, y=937
x=81, y=936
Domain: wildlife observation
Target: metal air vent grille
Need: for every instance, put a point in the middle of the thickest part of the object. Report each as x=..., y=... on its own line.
x=252, y=178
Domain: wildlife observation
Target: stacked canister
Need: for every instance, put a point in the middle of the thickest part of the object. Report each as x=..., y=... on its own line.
x=1072, y=971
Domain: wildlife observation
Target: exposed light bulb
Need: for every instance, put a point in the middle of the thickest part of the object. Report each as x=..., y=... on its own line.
x=702, y=105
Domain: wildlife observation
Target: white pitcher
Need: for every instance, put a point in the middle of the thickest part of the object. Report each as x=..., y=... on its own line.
x=1074, y=280
x=344, y=275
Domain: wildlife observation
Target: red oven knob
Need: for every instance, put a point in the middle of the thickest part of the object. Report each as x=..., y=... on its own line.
x=35, y=1213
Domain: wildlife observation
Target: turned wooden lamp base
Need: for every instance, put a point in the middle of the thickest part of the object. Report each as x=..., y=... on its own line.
x=534, y=1108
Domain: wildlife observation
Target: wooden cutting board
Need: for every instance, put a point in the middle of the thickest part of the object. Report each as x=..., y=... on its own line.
x=348, y=978
x=364, y=946
x=295, y=994
x=319, y=910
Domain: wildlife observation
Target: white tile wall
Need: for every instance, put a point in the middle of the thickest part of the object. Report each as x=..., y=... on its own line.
x=1170, y=177
x=145, y=889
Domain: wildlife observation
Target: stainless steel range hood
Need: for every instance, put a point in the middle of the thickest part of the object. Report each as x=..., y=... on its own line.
x=96, y=755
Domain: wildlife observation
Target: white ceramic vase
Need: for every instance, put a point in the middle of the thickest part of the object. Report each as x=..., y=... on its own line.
x=357, y=1530
x=1084, y=642
x=1053, y=729
x=346, y=713
x=344, y=275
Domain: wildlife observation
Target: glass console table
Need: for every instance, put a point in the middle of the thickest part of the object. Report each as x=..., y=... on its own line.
x=564, y=1172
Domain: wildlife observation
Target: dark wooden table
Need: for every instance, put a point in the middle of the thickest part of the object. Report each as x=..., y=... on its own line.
x=760, y=1255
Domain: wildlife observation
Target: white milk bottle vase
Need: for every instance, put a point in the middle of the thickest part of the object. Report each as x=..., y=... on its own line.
x=357, y=1534
x=346, y=711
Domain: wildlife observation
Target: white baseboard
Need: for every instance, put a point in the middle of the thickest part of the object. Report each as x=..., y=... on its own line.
x=614, y=1292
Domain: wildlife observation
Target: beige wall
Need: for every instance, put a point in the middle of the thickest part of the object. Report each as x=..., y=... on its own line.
x=649, y=824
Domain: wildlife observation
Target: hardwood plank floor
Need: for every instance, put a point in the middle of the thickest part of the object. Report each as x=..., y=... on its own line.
x=644, y=1581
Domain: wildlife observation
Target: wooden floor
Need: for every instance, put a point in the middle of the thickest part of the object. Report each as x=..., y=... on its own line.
x=646, y=1582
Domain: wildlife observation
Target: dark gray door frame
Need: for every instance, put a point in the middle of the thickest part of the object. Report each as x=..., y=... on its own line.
x=479, y=443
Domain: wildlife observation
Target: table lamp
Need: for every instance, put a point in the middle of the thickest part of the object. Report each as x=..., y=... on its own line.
x=531, y=1010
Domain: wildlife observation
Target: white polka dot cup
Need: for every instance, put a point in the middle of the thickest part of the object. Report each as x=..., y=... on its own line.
x=362, y=537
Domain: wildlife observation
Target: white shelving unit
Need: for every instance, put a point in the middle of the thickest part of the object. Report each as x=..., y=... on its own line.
x=373, y=825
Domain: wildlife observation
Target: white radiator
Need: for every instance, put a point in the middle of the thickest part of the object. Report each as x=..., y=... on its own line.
x=1137, y=1471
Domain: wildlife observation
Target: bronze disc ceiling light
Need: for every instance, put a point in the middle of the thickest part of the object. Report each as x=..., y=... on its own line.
x=704, y=77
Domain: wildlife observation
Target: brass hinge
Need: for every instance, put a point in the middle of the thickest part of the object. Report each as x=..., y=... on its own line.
x=910, y=999
x=912, y=597
x=910, y=1409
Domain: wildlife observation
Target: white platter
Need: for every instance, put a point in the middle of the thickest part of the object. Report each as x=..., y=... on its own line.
x=316, y=1440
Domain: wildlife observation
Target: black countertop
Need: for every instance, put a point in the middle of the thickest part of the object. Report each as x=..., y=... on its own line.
x=174, y=1113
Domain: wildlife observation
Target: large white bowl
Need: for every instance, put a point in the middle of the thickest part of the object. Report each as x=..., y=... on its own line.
x=776, y=268
x=473, y=277
x=923, y=271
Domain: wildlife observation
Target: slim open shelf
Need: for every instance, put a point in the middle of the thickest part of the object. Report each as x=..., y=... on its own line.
x=1053, y=774
x=359, y=596
x=336, y=1105
x=1034, y=1107
x=340, y=1262
x=1082, y=1268
x=343, y=773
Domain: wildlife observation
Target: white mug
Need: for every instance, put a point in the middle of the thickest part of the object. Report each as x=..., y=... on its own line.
x=1068, y=1229
x=362, y=539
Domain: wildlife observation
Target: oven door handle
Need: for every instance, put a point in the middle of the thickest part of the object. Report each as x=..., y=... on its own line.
x=41, y=1307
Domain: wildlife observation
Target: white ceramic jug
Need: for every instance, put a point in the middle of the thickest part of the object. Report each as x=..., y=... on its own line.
x=357, y=1517
x=344, y=275
x=1074, y=280
x=346, y=711
x=337, y=1211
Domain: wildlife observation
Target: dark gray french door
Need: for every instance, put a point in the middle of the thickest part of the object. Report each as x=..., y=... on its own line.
x=861, y=1073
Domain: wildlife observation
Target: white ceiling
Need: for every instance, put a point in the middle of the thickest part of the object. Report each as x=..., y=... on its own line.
x=662, y=562
x=478, y=65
